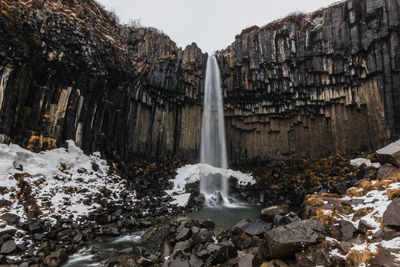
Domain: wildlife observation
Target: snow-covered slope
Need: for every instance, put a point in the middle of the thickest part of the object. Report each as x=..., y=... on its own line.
x=60, y=182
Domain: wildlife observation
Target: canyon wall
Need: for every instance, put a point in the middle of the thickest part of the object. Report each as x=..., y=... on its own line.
x=304, y=86
x=315, y=84
x=68, y=70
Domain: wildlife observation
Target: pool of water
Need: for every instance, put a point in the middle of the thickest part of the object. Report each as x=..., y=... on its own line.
x=227, y=217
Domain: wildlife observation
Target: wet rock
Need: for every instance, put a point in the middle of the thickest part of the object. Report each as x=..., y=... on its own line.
x=391, y=216
x=10, y=218
x=8, y=247
x=257, y=227
x=390, y=154
x=284, y=241
x=269, y=213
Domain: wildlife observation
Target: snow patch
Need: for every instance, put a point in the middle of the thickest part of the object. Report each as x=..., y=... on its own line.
x=359, y=161
x=189, y=174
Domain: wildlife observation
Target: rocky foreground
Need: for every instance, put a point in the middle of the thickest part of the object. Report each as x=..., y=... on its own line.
x=56, y=202
x=359, y=228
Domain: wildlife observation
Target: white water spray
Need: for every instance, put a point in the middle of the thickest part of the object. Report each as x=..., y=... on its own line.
x=213, y=143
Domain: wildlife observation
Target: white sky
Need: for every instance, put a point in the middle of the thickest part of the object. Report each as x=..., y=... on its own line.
x=212, y=24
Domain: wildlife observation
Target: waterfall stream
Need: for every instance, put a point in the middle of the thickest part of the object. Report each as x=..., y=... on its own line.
x=213, y=144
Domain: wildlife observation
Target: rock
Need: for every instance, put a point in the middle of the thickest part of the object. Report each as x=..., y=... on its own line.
x=221, y=252
x=384, y=171
x=347, y=229
x=56, y=258
x=8, y=247
x=391, y=216
x=244, y=241
x=390, y=154
x=385, y=234
x=182, y=246
x=285, y=241
x=257, y=227
x=246, y=260
x=364, y=226
x=5, y=203
x=269, y=213
x=7, y=234
x=157, y=233
x=10, y=218
x=34, y=226
x=209, y=224
x=183, y=234
x=195, y=261
x=179, y=261
x=166, y=250
x=202, y=236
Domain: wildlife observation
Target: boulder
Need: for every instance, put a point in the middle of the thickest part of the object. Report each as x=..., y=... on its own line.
x=347, y=229
x=384, y=171
x=10, y=218
x=202, y=236
x=221, y=252
x=5, y=203
x=364, y=226
x=390, y=154
x=391, y=216
x=284, y=241
x=183, y=234
x=8, y=247
x=257, y=227
x=269, y=213
x=56, y=258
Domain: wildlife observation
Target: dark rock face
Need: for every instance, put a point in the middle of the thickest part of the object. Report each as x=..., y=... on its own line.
x=69, y=71
x=303, y=87
x=294, y=87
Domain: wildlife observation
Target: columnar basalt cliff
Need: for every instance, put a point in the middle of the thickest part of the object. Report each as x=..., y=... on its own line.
x=70, y=71
x=305, y=86
x=314, y=84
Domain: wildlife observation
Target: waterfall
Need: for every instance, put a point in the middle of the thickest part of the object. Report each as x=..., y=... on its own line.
x=213, y=143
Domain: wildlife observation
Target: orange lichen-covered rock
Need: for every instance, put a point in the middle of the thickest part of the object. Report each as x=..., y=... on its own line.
x=355, y=192
x=324, y=216
x=313, y=202
x=393, y=193
x=357, y=257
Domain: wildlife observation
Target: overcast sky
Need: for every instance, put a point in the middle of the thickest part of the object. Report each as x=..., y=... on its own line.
x=212, y=24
